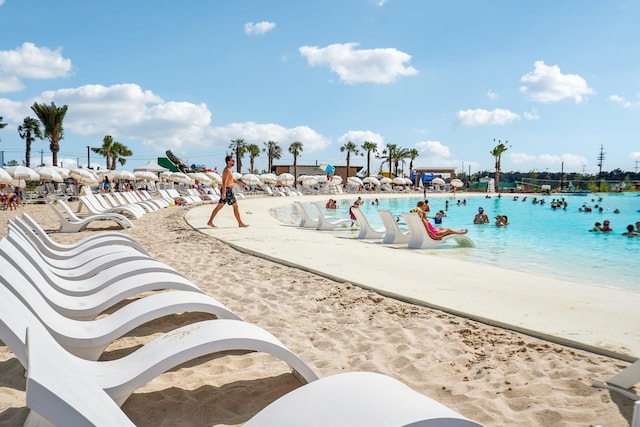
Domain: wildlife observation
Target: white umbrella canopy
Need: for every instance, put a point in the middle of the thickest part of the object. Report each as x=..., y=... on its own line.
x=456, y=183
x=201, y=177
x=408, y=181
x=371, y=180
x=49, y=173
x=20, y=183
x=251, y=179
x=5, y=178
x=399, y=180
x=180, y=177
x=237, y=176
x=215, y=177
x=336, y=180
x=286, y=179
x=145, y=176
x=83, y=176
x=307, y=180
x=268, y=178
x=438, y=181
x=386, y=180
x=123, y=174
x=321, y=178
x=23, y=172
x=354, y=180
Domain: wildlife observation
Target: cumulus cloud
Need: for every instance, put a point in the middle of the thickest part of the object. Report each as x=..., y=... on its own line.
x=360, y=136
x=548, y=84
x=433, y=149
x=257, y=133
x=531, y=115
x=492, y=95
x=30, y=62
x=635, y=155
x=482, y=117
x=258, y=29
x=360, y=66
x=571, y=161
x=617, y=99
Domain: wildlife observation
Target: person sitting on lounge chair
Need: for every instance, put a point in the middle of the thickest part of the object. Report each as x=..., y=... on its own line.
x=433, y=232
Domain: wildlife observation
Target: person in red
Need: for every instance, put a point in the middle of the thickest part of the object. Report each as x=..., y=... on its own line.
x=426, y=206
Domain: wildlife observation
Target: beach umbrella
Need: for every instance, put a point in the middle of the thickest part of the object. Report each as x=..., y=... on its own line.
x=268, y=178
x=251, y=179
x=23, y=172
x=307, y=180
x=408, y=181
x=166, y=174
x=201, y=177
x=336, y=180
x=437, y=181
x=180, y=177
x=49, y=173
x=456, y=183
x=215, y=177
x=20, y=183
x=399, y=180
x=5, y=178
x=83, y=176
x=371, y=180
x=122, y=174
x=286, y=179
x=237, y=176
x=143, y=175
x=386, y=180
x=354, y=180
x=327, y=168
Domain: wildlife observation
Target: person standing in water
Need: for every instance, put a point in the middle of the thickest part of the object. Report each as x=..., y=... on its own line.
x=227, y=196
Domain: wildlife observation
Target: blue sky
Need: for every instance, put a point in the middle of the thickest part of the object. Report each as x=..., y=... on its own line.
x=557, y=79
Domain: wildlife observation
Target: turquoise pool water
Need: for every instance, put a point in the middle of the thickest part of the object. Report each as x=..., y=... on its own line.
x=538, y=239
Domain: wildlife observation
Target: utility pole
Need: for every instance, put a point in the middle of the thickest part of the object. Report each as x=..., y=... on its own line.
x=88, y=159
x=41, y=157
x=601, y=158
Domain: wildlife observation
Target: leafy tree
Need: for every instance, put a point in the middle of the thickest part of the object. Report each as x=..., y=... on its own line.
x=497, y=154
x=254, y=151
x=398, y=156
x=412, y=154
x=238, y=148
x=29, y=130
x=349, y=147
x=51, y=118
x=369, y=147
x=295, y=148
x=388, y=154
x=105, y=150
x=2, y=125
x=274, y=151
x=118, y=153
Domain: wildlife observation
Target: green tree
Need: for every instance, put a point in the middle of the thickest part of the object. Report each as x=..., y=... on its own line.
x=388, y=154
x=51, y=118
x=238, y=148
x=29, y=130
x=274, y=151
x=2, y=125
x=412, y=154
x=497, y=154
x=295, y=149
x=398, y=156
x=369, y=147
x=118, y=153
x=105, y=150
x=349, y=147
x=254, y=151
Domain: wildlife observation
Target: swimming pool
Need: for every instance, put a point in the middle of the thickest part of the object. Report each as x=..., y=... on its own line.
x=538, y=239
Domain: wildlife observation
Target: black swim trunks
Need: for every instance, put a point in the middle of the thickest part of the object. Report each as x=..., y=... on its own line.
x=229, y=198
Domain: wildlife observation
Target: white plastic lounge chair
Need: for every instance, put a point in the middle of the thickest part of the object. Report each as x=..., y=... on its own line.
x=366, y=231
x=350, y=399
x=135, y=197
x=121, y=377
x=623, y=382
x=71, y=223
x=393, y=233
x=421, y=240
x=95, y=206
x=160, y=201
x=53, y=249
x=357, y=399
x=124, y=199
x=306, y=221
x=135, y=274
x=328, y=223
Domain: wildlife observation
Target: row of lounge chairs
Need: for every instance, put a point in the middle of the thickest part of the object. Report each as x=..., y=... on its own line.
x=415, y=236
x=53, y=299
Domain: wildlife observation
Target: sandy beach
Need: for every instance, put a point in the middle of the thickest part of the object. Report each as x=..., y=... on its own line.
x=337, y=323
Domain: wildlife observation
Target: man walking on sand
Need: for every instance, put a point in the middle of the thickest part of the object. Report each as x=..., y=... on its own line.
x=227, y=196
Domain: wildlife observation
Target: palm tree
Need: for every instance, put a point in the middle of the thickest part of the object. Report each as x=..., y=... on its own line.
x=295, y=148
x=2, y=125
x=398, y=156
x=369, y=147
x=238, y=148
x=51, y=118
x=105, y=150
x=412, y=154
x=118, y=153
x=349, y=147
x=497, y=153
x=388, y=153
x=29, y=130
x=254, y=151
x=274, y=151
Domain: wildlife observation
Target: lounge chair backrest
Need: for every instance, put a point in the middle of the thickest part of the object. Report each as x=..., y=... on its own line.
x=393, y=233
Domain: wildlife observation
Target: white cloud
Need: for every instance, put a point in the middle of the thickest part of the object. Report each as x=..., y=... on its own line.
x=635, y=155
x=531, y=115
x=260, y=28
x=519, y=158
x=360, y=136
x=482, y=117
x=537, y=161
x=492, y=95
x=617, y=99
x=30, y=62
x=257, y=133
x=360, y=66
x=547, y=84
x=433, y=149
